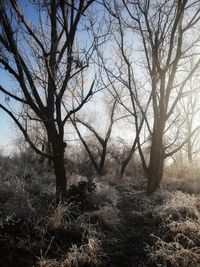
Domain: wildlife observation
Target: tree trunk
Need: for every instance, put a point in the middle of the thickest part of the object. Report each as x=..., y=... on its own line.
x=60, y=173
x=59, y=166
x=124, y=165
x=102, y=160
x=189, y=147
x=189, y=142
x=42, y=158
x=156, y=164
x=127, y=160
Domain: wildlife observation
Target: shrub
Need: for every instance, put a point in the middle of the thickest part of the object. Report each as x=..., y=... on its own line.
x=82, y=194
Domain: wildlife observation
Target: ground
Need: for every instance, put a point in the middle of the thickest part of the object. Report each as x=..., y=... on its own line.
x=136, y=224
x=101, y=222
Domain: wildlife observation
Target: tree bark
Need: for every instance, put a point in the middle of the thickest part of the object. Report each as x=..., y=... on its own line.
x=59, y=167
x=102, y=160
x=189, y=147
x=127, y=159
x=60, y=173
x=125, y=164
x=58, y=151
x=49, y=152
x=156, y=164
x=189, y=142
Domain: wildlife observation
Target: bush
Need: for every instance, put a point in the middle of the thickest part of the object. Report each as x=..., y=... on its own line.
x=82, y=195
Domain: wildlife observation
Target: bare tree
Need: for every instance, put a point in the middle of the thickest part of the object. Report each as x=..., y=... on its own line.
x=188, y=112
x=44, y=57
x=168, y=33
x=99, y=162
x=118, y=77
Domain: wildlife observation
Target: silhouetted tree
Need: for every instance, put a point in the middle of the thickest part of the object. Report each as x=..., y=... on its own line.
x=44, y=58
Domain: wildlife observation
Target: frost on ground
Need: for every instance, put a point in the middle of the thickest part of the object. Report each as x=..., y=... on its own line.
x=101, y=222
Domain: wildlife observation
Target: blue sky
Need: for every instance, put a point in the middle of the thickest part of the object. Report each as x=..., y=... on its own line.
x=5, y=121
x=5, y=131
x=6, y=124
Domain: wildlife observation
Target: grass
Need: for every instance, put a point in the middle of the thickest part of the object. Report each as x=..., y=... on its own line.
x=39, y=231
x=109, y=223
x=183, y=176
x=177, y=241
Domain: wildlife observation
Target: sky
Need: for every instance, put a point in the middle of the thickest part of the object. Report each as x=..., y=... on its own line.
x=5, y=138
x=5, y=121
x=6, y=124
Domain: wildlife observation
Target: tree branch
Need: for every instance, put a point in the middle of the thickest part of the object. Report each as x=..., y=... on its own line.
x=27, y=138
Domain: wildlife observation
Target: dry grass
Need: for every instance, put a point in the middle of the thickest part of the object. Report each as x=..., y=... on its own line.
x=35, y=225
x=178, y=239
x=42, y=262
x=107, y=217
x=180, y=205
x=84, y=255
x=59, y=214
x=184, y=177
x=188, y=229
x=63, y=235
x=106, y=194
x=174, y=254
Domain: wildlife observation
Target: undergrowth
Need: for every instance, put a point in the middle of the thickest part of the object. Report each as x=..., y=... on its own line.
x=100, y=222
x=38, y=230
x=177, y=241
